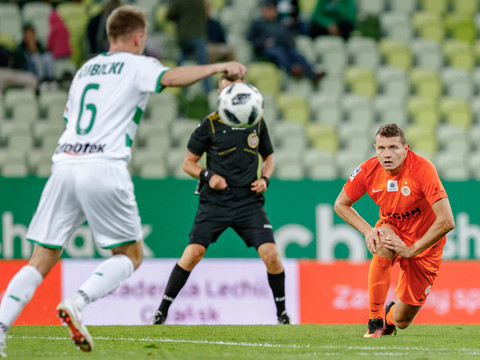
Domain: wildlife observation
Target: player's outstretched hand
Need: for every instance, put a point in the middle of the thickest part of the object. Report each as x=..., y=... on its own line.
x=232, y=68
x=218, y=182
x=259, y=186
x=372, y=240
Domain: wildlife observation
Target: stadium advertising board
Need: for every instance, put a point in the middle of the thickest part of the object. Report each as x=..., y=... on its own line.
x=40, y=311
x=341, y=296
x=217, y=292
x=235, y=291
x=301, y=213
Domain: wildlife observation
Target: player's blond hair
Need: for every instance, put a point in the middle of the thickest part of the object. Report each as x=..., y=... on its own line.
x=125, y=21
x=392, y=130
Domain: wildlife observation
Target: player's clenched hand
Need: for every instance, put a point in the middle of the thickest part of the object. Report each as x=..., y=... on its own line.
x=259, y=186
x=233, y=68
x=394, y=243
x=372, y=239
x=218, y=182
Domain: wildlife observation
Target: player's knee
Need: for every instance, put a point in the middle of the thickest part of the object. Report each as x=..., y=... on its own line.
x=271, y=258
x=136, y=260
x=403, y=324
x=194, y=253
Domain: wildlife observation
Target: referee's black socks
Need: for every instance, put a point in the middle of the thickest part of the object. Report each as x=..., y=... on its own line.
x=277, y=284
x=177, y=280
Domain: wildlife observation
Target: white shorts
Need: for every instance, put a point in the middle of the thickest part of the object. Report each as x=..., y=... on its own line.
x=101, y=193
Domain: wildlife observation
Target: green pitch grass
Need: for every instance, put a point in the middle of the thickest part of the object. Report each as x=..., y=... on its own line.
x=246, y=342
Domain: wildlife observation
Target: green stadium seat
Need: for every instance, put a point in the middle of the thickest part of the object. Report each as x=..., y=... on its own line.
x=459, y=54
x=437, y=7
x=456, y=112
x=396, y=53
x=461, y=27
x=424, y=112
x=422, y=140
x=465, y=7
x=293, y=108
x=429, y=26
x=361, y=81
x=426, y=83
x=323, y=137
x=265, y=76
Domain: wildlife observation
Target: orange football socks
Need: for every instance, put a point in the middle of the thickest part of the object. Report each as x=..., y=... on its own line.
x=379, y=276
x=389, y=320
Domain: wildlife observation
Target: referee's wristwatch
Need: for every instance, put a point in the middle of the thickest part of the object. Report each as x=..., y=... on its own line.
x=267, y=180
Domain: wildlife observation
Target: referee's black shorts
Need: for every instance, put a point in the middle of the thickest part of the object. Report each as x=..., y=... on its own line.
x=246, y=216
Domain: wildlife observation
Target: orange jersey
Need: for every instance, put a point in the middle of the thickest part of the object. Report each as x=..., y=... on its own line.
x=405, y=199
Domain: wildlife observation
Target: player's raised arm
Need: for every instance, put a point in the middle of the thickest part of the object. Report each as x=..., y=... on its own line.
x=186, y=75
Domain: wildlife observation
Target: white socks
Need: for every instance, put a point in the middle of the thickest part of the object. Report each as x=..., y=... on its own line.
x=106, y=278
x=19, y=292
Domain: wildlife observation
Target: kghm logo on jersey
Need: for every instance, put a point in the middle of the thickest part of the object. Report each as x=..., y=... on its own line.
x=412, y=214
x=80, y=149
x=252, y=140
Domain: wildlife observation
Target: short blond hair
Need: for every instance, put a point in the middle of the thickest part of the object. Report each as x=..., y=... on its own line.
x=125, y=21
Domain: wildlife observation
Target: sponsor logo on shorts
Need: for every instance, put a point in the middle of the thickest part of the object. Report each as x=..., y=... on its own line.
x=267, y=226
x=80, y=149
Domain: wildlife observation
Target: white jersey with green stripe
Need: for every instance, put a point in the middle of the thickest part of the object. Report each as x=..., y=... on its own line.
x=106, y=101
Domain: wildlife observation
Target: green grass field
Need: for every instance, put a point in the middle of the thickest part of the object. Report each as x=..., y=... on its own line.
x=246, y=342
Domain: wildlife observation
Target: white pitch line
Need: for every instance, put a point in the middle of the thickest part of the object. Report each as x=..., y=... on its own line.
x=403, y=349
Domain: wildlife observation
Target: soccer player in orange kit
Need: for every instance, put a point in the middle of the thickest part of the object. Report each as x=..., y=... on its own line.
x=415, y=215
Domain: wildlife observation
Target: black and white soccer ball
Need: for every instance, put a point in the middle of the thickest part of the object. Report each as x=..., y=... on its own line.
x=240, y=105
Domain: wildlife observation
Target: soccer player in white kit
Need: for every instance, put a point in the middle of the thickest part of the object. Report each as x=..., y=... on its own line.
x=89, y=179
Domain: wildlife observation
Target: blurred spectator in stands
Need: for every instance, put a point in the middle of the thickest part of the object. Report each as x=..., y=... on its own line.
x=288, y=13
x=13, y=77
x=191, y=19
x=274, y=41
x=333, y=17
x=96, y=33
x=58, y=41
x=218, y=50
x=31, y=56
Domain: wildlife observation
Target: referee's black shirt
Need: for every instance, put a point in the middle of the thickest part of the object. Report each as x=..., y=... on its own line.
x=231, y=152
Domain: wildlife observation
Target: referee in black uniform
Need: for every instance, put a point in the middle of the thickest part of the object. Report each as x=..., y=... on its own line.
x=230, y=196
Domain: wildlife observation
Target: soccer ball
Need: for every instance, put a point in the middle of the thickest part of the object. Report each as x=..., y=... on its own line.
x=240, y=105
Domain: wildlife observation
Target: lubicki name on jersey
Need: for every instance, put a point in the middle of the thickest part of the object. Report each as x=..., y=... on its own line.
x=105, y=104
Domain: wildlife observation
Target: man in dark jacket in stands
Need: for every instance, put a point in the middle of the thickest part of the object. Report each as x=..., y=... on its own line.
x=274, y=41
